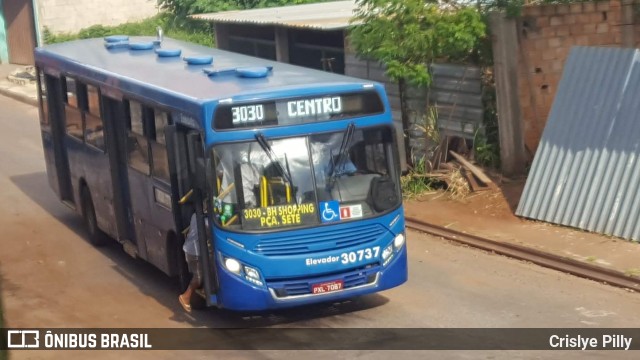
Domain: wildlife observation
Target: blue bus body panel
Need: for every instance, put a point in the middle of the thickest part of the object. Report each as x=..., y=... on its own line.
x=242, y=297
x=282, y=265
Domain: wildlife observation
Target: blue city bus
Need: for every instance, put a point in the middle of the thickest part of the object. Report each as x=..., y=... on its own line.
x=292, y=173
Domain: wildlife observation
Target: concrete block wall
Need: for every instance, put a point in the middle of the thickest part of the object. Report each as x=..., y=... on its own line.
x=546, y=35
x=64, y=16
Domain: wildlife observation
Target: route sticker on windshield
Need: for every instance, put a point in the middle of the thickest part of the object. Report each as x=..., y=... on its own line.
x=329, y=211
x=350, y=212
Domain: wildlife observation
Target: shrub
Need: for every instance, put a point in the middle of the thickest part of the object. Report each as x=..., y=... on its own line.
x=175, y=27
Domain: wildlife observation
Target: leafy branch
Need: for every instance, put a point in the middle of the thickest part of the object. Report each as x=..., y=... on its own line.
x=407, y=35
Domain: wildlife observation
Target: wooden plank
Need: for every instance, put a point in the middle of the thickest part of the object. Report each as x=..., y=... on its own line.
x=474, y=169
x=473, y=184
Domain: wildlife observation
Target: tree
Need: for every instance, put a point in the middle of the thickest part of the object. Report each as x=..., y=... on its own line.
x=407, y=35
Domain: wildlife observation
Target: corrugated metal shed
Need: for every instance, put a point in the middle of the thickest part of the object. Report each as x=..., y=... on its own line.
x=586, y=172
x=333, y=15
x=456, y=93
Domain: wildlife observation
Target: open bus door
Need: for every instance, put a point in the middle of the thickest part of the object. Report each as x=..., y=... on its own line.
x=189, y=160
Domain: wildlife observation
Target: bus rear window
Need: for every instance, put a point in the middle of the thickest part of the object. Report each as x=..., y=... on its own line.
x=297, y=110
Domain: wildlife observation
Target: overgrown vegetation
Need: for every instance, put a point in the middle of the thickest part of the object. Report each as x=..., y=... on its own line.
x=486, y=144
x=415, y=183
x=176, y=27
x=406, y=35
x=174, y=21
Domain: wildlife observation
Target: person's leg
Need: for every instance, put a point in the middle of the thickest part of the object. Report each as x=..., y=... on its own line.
x=194, y=268
x=185, y=298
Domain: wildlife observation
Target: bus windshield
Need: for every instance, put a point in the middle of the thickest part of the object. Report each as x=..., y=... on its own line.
x=269, y=184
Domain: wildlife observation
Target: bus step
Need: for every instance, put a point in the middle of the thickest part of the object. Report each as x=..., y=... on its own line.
x=130, y=248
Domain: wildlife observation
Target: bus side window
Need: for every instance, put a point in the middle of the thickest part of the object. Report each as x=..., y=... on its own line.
x=70, y=92
x=137, y=143
x=161, y=120
x=73, y=116
x=159, y=148
x=94, y=131
x=93, y=100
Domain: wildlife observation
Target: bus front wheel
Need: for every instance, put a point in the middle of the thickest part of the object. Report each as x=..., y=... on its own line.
x=96, y=236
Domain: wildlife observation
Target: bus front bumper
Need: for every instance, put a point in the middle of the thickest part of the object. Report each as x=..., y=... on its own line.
x=241, y=296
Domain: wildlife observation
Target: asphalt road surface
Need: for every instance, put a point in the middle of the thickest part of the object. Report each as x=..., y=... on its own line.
x=52, y=277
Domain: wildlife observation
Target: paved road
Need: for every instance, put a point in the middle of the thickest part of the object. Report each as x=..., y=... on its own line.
x=51, y=277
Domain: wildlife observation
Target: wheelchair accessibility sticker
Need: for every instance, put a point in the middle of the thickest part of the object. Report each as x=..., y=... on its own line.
x=329, y=211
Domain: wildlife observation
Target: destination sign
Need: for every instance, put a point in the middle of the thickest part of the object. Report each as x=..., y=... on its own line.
x=297, y=111
x=299, y=108
x=279, y=216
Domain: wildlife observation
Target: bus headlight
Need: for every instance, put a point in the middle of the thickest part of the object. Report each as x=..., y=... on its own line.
x=399, y=240
x=251, y=272
x=252, y=275
x=232, y=265
x=387, y=255
x=387, y=252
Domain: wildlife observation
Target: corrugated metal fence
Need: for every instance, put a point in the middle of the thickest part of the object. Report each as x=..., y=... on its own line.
x=586, y=171
x=455, y=93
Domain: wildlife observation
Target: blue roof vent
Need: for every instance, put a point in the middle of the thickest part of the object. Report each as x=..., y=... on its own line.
x=168, y=52
x=116, y=38
x=117, y=45
x=245, y=72
x=141, y=45
x=198, y=60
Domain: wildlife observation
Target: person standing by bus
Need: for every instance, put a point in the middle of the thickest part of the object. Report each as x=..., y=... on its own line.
x=191, y=252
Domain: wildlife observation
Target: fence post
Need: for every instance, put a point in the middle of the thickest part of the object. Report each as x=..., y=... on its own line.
x=505, y=66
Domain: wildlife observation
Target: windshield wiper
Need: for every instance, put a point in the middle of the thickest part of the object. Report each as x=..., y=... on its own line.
x=342, y=152
x=264, y=144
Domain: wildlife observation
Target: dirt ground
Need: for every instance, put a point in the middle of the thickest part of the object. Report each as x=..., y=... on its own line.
x=491, y=214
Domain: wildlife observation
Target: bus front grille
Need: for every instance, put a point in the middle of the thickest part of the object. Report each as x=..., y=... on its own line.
x=278, y=245
x=299, y=287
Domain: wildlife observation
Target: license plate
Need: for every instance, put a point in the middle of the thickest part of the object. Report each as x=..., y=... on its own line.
x=327, y=287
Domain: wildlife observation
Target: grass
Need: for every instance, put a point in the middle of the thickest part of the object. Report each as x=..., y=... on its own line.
x=414, y=183
x=458, y=187
x=634, y=272
x=195, y=31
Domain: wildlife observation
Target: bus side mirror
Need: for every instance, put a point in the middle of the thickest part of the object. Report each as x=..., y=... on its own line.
x=197, y=168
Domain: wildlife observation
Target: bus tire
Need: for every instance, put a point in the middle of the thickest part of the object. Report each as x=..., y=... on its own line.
x=96, y=236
